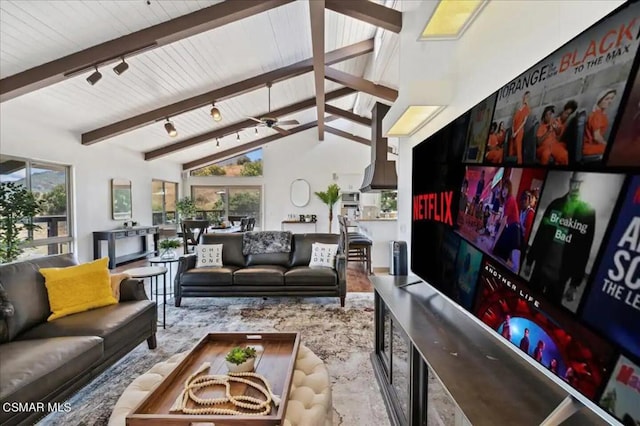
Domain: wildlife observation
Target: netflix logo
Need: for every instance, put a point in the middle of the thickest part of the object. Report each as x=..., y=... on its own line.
x=434, y=206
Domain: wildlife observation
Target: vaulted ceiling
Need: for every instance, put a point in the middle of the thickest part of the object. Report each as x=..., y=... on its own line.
x=325, y=58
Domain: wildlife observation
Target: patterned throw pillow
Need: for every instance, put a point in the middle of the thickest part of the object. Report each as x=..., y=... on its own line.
x=323, y=255
x=209, y=255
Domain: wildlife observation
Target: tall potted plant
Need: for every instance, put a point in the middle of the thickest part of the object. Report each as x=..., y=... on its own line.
x=17, y=206
x=330, y=197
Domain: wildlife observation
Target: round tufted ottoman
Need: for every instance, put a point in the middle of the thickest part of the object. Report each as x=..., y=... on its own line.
x=309, y=399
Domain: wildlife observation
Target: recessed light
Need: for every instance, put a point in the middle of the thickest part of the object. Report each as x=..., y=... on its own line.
x=451, y=18
x=414, y=117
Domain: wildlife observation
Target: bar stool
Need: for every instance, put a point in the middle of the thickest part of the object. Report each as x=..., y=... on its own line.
x=357, y=246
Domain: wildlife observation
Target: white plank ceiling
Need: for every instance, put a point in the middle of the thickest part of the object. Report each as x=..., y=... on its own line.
x=35, y=32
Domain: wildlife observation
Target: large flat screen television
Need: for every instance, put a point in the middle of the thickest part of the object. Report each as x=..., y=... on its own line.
x=526, y=213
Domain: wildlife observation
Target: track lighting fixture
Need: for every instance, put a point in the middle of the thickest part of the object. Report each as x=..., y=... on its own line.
x=256, y=132
x=94, y=77
x=217, y=143
x=121, y=67
x=170, y=128
x=215, y=113
x=237, y=136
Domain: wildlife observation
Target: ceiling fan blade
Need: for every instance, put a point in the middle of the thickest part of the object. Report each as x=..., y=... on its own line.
x=288, y=122
x=281, y=130
x=255, y=119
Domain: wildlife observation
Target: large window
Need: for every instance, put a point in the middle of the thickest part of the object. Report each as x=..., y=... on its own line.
x=163, y=201
x=247, y=164
x=51, y=185
x=222, y=202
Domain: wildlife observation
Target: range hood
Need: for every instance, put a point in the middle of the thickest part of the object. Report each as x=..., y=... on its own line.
x=381, y=174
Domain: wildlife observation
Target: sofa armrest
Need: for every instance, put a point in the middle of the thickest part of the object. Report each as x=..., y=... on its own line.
x=132, y=289
x=341, y=269
x=185, y=263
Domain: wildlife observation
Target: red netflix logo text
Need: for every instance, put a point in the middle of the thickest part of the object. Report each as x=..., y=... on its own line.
x=433, y=206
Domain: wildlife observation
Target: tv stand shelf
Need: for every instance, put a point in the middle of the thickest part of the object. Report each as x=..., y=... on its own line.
x=112, y=235
x=490, y=384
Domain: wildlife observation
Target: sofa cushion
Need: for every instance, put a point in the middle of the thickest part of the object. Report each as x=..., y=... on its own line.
x=78, y=288
x=280, y=259
x=117, y=324
x=262, y=275
x=301, y=255
x=208, y=276
x=32, y=369
x=231, y=247
x=310, y=275
x=26, y=291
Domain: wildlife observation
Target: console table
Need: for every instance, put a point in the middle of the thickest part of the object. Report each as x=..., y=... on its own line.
x=285, y=224
x=420, y=334
x=112, y=235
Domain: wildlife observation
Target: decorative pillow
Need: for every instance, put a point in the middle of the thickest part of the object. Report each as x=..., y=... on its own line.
x=209, y=255
x=323, y=255
x=115, y=281
x=78, y=288
x=6, y=311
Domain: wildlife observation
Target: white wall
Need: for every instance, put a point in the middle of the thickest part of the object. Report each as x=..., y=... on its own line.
x=93, y=167
x=301, y=156
x=507, y=38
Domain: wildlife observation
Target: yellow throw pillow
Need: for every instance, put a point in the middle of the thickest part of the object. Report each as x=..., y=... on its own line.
x=78, y=288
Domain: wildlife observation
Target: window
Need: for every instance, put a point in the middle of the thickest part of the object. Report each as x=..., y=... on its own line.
x=222, y=202
x=163, y=202
x=247, y=164
x=51, y=185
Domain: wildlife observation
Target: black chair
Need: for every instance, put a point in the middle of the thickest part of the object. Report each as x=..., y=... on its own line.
x=235, y=218
x=251, y=224
x=192, y=231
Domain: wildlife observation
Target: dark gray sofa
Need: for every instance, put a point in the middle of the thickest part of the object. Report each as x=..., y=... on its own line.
x=273, y=274
x=47, y=362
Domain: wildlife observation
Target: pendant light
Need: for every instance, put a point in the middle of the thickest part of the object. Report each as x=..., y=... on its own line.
x=215, y=113
x=170, y=128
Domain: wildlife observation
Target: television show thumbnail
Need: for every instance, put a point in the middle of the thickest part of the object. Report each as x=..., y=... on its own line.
x=572, y=217
x=625, y=150
x=479, y=126
x=613, y=303
x=561, y=111
x=621, y=397
x=497, y=207
x=540, y=330
x=468, y=262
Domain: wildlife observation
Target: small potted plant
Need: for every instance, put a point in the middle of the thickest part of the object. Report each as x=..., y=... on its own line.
x=241, y=360
x=168, y=247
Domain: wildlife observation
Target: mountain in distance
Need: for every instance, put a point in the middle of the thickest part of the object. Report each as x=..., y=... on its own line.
x=44, y=181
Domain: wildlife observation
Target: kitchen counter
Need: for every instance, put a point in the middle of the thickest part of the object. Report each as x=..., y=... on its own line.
x=381, y=231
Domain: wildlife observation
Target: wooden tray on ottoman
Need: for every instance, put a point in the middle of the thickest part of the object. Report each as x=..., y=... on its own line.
x=275, y=362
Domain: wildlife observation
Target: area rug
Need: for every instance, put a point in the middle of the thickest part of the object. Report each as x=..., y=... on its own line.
x=342, y=337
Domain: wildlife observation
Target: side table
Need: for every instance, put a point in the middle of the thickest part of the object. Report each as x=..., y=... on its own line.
x=153, y=272
x=158, y=260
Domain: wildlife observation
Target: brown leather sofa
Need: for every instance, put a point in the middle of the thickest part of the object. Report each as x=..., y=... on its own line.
x=272, y=274
x=46, y=362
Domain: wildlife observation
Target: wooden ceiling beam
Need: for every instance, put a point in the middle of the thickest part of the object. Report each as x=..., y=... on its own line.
x=348, y=115
x=235, y=127
x=367, y=11
x=316, y=8
x=249, y=146
x=360, y=84
x=158, y=35
x=245, y=147
x=222, y=93
x=352, y=137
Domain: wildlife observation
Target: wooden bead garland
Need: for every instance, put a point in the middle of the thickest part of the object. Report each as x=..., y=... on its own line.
x=194, y=383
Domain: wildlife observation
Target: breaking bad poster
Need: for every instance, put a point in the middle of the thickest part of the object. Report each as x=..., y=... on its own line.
x=613, y=305
x=561, y=111
x=479, y=126
x=621, y=397
x=625, y=150
x=570, y=223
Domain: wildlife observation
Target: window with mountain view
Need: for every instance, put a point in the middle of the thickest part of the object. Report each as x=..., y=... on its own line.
x=163, y=201
x=247, y=164
x=51, y=186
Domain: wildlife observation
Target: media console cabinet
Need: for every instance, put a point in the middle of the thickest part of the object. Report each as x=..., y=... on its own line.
x=112, y=235
x=419, y=334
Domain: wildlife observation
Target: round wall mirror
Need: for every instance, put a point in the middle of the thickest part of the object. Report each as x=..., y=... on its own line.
x=300, y=190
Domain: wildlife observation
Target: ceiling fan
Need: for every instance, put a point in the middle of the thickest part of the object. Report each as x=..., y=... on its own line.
x=272, y=122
